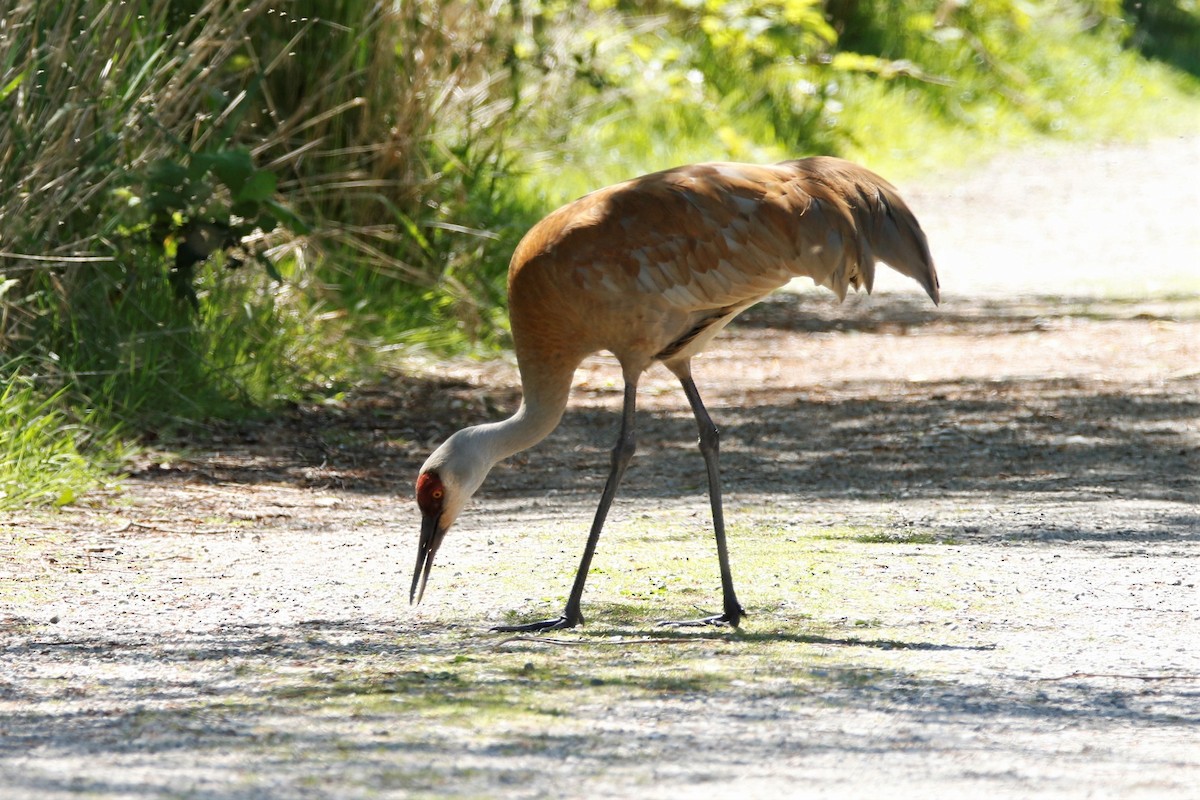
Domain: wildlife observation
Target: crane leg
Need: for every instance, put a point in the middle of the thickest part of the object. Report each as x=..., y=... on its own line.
x=710, y=448
x=621, y=455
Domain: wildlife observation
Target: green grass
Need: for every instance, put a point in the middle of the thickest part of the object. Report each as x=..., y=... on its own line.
x=891, y=537
x=645, y=572
x=46, y=458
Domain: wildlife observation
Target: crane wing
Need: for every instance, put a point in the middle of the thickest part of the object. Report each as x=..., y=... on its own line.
x=721, y=234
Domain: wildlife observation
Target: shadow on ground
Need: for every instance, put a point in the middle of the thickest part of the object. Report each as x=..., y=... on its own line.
x=399, y=703
x=866, y=438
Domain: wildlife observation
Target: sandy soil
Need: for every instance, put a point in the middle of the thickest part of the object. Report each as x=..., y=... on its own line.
x=1019, y=619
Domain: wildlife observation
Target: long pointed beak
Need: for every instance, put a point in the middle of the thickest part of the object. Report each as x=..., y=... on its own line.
x=431, y=540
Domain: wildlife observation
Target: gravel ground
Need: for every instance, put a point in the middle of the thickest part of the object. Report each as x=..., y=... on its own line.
x=967, y=538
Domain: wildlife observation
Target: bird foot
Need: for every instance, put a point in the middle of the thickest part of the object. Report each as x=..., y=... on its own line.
x=556, y=624
x=725, y=618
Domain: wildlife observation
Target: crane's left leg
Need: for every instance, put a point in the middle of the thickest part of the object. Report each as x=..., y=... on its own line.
x=621, y=455
x=710, y=448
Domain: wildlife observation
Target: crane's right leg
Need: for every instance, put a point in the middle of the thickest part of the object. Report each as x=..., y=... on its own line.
x=709, y=448
x=621, y=455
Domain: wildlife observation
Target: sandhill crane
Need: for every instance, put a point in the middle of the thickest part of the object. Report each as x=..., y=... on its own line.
x=651, y=270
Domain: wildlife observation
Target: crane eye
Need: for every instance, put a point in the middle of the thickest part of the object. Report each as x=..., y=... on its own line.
x=430, y=493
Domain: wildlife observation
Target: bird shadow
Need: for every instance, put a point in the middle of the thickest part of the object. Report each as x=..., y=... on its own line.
x=664, y=634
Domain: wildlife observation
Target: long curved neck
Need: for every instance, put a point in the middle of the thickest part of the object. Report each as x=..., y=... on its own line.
x=531, y=423
x=465, y=459
x=539, y=413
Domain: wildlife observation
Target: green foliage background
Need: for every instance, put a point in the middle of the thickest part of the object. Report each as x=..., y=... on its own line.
x=209, y=208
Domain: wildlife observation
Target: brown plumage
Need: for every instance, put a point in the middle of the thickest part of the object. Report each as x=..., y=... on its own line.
x=650, y=270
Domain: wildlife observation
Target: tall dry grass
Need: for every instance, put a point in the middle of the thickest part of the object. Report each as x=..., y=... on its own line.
x=330, y=151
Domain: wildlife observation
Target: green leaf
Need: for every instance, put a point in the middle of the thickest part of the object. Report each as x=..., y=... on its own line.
x=287, y=217
x=246, y=208
x=259, y=187
x=164, y=202
x=266, y=221
x=233, y=168
x=272, y=270
x=12, y=85
x=414, y=232
x=168, y=173
x=199, y=165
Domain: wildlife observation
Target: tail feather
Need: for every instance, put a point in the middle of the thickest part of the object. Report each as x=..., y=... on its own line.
x=877, y=225
x=900, y=243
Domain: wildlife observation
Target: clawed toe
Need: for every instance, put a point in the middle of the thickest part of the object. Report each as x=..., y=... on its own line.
x=555, y=624
x=718, y=620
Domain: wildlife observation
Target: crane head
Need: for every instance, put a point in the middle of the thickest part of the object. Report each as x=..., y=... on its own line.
x=431, y=498
x=447, y=481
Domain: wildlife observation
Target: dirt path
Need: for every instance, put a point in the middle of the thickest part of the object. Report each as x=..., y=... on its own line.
x=967, y=538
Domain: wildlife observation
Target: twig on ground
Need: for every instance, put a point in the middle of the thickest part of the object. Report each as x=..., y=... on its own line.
x=1074, y=675
x=183, y=531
